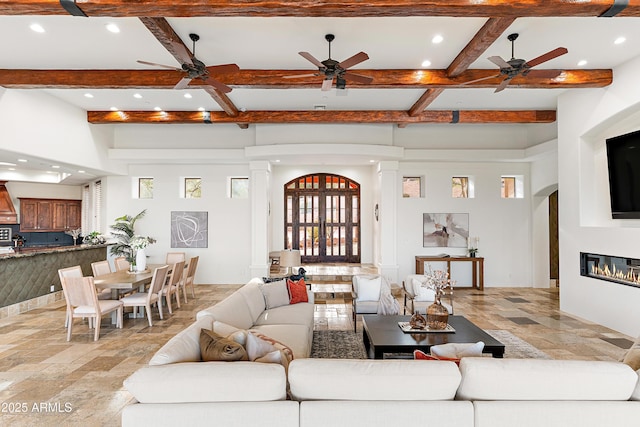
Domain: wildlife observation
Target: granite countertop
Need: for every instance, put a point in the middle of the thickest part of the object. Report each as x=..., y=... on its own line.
x=38, y=250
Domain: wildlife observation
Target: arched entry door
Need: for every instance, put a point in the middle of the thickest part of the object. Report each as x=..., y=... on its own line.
x=322, y=218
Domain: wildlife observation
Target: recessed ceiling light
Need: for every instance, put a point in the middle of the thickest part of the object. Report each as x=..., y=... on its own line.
x=113, y=28
x=137, y=95
x=200, y=108
x=157, y=108
x=22, y=160
x=37, y=28
x=55, y=167
x=426, y=63
x=114, y=108
x=12, y=169
x=81, y=172
x=437, y=39
x=88, y=95
x=188, y=95
x=620, y=40
x=582, y=63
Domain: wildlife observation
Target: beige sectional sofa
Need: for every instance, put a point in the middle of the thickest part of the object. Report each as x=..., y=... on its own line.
x=178, y=389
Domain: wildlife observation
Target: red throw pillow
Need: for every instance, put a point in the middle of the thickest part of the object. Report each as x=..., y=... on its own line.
x=421, y=355
x=297, y=291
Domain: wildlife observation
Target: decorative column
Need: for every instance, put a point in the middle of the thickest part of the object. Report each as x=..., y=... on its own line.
x=388, y=219
x=259, y=191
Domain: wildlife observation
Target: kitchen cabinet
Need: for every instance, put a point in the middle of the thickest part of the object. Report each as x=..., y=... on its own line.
x=49, y=214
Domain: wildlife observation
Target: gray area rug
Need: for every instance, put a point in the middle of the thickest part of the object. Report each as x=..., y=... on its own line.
x=329, y=344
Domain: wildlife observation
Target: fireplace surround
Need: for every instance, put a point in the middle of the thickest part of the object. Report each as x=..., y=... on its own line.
x=617, y=269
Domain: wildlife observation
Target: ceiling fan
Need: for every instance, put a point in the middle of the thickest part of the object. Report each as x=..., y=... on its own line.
x=515, y=66
x=196, y=69
x=330, y=68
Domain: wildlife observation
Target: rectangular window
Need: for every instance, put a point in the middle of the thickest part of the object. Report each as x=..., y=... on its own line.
x=145, y=188
x=411, y=186
x=192, y=188
x=460, y=187
x=508, y=190
x=239, y=188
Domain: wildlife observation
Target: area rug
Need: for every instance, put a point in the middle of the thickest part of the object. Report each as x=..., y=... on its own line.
x=330, y=344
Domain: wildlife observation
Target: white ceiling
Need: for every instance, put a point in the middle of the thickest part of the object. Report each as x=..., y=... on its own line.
x=274, y=42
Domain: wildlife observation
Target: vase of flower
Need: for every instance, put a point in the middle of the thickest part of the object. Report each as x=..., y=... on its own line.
x=437, y=315
x=141, y=260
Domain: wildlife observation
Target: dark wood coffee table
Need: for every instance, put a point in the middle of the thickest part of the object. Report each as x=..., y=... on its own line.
x=381, y=334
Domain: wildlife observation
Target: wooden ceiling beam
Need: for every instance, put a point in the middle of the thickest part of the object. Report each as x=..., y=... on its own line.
x=344, y=117
x=273, y=79
x=314, y=8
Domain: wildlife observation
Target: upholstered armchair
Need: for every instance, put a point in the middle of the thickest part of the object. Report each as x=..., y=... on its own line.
x=418, y=297
x=371, y=294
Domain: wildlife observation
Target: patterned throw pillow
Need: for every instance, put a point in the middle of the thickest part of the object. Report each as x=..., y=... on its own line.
x=297, y=291
x=216, y=347
x=261, y=348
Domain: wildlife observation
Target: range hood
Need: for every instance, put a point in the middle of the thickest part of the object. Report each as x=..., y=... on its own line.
x=8, y=213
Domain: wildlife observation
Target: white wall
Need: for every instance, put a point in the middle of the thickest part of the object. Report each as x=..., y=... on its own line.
x=585, y=119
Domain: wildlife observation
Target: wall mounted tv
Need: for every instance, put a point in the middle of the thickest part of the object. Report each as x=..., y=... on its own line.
x=623, y=159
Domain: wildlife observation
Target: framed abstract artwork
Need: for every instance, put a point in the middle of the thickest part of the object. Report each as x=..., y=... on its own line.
x=445, y=230
x=189, y=229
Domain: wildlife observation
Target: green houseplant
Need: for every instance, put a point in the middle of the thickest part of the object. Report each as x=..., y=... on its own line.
x=124, y=230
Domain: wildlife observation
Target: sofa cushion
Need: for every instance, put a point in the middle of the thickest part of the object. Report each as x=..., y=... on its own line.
x=297, y=337
x=208, y=382
x=253, y=297
x=297, y=291
x=368, y=288
x=485, y=378
x=275, y=294
x=185, y=346
x=216, y=347
x=300, y=314
x=233, y=310
x=351, y=379
x=422, y=293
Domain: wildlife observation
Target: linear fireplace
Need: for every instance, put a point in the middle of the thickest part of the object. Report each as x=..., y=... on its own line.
x=616, y=269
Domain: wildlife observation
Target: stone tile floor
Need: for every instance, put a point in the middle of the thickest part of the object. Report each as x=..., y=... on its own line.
x=45, y=380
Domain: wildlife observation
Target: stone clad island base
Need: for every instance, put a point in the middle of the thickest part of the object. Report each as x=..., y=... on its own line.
x=178, y=389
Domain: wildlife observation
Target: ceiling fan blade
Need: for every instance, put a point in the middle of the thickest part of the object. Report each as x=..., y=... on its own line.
x=182, y=84
x=327, y=84
x=216, y=84
x=310, y=58
x=479, y=80
x=224, y=68
x=357, y=78
x=499, y=62
x=153, y=64
x=502, y=85
x=547, y=56
x=543, y=74
x=299, y=76
x=354, y=60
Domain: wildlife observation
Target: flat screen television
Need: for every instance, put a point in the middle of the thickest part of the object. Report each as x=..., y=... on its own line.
x=623, y=160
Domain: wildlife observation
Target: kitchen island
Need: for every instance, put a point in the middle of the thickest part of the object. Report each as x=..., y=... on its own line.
x=30, y=272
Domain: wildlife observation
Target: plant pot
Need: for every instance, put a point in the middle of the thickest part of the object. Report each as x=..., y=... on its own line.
x=141, y=260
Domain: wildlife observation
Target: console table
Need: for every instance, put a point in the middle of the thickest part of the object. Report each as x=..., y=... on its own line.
x=477, y=267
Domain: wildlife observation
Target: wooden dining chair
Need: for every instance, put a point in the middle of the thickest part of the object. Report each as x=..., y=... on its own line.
x=152, y=296
x=65, y=273
x=172, y=286
x=189, y=277
x=82, y=301
x=121, y=263
x=173, y=257
x=100, y=268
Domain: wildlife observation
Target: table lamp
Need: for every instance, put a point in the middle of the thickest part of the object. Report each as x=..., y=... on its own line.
x=290, y=258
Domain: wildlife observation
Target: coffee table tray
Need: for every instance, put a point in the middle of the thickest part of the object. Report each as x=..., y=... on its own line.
x=406, y=327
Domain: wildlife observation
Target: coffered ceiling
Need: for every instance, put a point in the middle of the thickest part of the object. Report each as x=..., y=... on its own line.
x=77, y=59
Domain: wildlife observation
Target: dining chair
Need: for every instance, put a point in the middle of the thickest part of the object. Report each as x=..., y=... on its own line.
x=101, y=268
x=82, y=301
x=173, y=257
x=190, y=276
x=152, y=296
x=121, y=263
x=172, y=286
x=65, y=273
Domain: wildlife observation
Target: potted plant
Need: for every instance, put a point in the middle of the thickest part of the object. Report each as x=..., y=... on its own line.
x=123, y=230
x=94, y=238
x=473, y=252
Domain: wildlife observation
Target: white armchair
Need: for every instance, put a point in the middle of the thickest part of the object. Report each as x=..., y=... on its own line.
x=418, y=297
x=371, y=294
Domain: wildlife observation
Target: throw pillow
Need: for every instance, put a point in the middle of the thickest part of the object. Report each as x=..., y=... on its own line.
x=216, y=347
x=457, y=351
x=369, y=288
x=632, y=357
x=297, y=291
x=422, y=293
x=420, y=355
x=275, y=294
x=259, y=345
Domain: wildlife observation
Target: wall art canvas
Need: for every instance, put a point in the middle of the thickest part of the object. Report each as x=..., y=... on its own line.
x=445, y=230
x=189, y=229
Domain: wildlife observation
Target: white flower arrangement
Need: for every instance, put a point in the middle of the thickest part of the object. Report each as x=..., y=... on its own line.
x=140, y=242
x=438, y=281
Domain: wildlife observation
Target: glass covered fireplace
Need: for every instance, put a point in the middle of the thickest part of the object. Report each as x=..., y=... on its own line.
x=616, y=269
